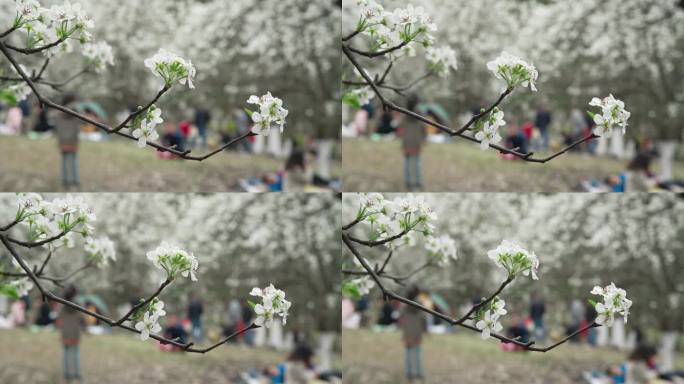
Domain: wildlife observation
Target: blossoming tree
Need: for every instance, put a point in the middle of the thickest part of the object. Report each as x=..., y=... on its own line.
x=381, y=39
x=53, y=31
x=407, y=221
x=67, y=222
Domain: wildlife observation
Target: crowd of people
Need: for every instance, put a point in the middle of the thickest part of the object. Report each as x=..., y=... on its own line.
x=526, y=134
x=523, y=325
x=298, y=368
x=192, y=133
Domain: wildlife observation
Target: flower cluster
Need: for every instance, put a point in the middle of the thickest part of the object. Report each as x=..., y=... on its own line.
x=273, y=304
x=407, y=214
x=441, y=248
x=515, y=259
x=392, y=29
x=15, y=93
x=615, y=301
x=100, y=250
x=488, y=317
x=45, y=26
x=146, y=124
x=359, y=97
x=613, y=112
x=488, y=129
x=47, y=219
x=148, y=323
x=270, y=114
x=17, y=288
x=441, y=60
x=174, y=261
x=99, y=55
x=172, y=68
x=362, y=285
x=514, y=71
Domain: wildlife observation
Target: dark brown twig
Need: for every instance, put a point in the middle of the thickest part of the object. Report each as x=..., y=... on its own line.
x=47, y=295
x=394, y=296
x=349, y=53
x=109, y=130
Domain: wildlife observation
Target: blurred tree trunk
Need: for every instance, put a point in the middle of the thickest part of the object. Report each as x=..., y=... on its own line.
x=667, y=346
x=667, y=152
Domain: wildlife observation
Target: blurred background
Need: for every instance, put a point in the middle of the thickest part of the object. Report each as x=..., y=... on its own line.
x=239, y=49
x=633, y=49
x=241, y=241
x=582, y=240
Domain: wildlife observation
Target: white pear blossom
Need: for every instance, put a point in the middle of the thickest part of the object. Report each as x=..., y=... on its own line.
x=101, y=250
x=146, y=126
x=28, y=9
x=148, y=325
x=362, y=95
x=489, y=323
x=615, y=301
x=156, y=308
x=174, y=260
x=488, y=129
x=514, y=70
x=99, y=55
x=22, y=286
x=389, y=29
x=269, y=115
x=442, y=248
x=441, y=60
x=363, y=284
x=514, y=259
x=172, y=68
x=388, y=218
x=20, y=91
x=488, y=135
x=613, y=112
x=273, y=304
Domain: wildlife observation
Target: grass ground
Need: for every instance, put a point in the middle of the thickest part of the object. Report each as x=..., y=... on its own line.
x=119, y=166
x=121, y=358
x=464, y=358
x=459, y=166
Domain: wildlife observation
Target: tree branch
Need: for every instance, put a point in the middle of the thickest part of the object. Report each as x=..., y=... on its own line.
x=109, y=130
x=387, y=294
x=47, y=295
x=349, y=53
x=143, y=303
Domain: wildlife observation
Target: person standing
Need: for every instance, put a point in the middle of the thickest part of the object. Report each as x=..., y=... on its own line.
x=195, y=310
x=413, y=324
x=70, y=322
x=537, y=309
x=542, y=122
x=202, y=119
x=67, y=129
x=412, y=132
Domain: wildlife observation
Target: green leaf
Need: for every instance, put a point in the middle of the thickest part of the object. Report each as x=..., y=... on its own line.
x=8, y=97
x=249, y=112
x=350, y=290
x=591, y=114
x=592, y=302
x=251, y=304
x=9, y=291
x=351, y=100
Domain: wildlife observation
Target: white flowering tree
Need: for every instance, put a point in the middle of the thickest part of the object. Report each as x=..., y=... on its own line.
x=55, y=225
x=636, y=238
x=381, y=39
x=407, y=221
x=49, y=32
